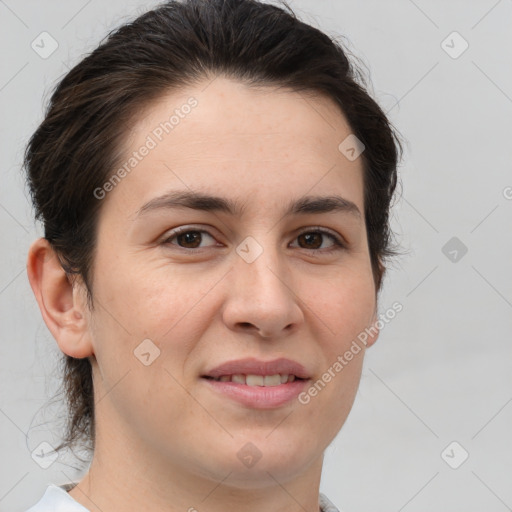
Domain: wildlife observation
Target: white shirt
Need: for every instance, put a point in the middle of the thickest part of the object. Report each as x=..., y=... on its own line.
x=56, y=499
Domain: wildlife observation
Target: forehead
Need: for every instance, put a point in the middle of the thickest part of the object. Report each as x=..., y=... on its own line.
x=226, y=137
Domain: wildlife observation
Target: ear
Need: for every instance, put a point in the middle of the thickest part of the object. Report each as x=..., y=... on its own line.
x=62, y=304
x=372, y=330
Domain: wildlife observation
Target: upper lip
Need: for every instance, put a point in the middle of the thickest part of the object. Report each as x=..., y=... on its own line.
x=253, y=366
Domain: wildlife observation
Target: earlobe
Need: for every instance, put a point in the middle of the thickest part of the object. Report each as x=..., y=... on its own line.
x=62, y=307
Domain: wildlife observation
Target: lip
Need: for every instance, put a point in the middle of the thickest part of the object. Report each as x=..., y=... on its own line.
x=253, y=366
x=258, y=397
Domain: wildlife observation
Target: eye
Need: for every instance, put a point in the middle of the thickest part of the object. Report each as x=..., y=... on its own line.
x=313, y=240
x=187, y=238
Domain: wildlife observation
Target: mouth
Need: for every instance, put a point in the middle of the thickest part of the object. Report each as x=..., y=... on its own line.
x=258, y=384
x=252, y=370
x=256, y=380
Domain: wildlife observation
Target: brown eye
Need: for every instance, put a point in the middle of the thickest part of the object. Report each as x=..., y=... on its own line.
x=188, y=238
x=314, y=239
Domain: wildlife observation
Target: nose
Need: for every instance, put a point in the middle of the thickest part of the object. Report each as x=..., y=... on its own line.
x=262, y=297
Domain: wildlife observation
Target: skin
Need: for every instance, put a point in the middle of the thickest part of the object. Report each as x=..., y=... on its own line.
x=164, y=440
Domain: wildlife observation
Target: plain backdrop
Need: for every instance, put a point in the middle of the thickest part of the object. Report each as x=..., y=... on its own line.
x=436, y=388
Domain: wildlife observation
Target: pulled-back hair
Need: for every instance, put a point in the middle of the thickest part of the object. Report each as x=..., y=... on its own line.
x=179, y=44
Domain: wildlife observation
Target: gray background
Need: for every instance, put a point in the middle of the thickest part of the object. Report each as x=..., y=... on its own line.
x=440, y=371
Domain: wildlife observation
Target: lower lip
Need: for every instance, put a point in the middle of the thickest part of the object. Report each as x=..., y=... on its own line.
x=259, y=397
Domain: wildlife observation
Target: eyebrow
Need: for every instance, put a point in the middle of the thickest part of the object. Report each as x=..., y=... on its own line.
x=209, y=203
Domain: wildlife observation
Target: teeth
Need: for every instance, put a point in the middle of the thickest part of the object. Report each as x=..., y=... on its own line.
x=272, y=380
x=258, y=380
x=255, y=380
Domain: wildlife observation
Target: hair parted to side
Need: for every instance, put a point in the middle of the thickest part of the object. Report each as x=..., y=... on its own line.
x=178, y=44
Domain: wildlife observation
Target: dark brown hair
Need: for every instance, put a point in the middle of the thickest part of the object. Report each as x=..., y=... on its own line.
x=177, y=44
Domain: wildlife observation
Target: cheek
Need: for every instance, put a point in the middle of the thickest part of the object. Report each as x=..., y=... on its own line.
x=132, y=307
x=344, y=304
x=341, y=310
x=151, y=302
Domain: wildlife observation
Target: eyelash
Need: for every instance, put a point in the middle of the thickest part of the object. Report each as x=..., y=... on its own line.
x=338, y=243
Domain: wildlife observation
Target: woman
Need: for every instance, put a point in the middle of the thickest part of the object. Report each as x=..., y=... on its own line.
x=215, y=190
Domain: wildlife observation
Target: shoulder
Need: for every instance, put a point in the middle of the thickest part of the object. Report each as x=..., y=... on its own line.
x=56, y=499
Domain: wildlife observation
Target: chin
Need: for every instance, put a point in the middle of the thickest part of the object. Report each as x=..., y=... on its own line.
x=260, y=462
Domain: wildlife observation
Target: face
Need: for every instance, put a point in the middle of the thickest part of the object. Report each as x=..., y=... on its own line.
x=264, y=281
